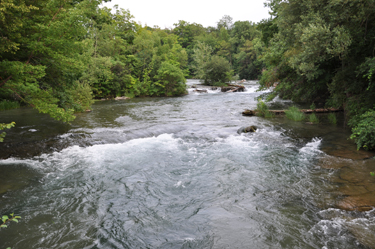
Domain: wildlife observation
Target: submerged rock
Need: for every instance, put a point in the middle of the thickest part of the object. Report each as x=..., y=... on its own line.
x=247, y=129
x=249, y=113
x=355, y=186
x=363, y=230
x=363, y=202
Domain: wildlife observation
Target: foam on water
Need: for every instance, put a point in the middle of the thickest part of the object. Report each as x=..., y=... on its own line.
x=312, y=148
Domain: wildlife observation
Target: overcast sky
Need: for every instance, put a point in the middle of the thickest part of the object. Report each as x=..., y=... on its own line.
x=164, y=13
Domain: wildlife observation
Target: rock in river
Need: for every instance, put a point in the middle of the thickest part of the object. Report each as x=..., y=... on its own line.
x=247, y=129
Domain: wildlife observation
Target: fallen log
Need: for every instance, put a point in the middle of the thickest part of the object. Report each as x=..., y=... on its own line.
x=307, y=111
x=232, y=88
x=200, y=90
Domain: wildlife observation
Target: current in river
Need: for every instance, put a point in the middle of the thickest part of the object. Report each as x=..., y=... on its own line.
x=175, y=173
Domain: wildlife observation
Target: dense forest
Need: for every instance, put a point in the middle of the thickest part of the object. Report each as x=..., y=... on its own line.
x=58, y=56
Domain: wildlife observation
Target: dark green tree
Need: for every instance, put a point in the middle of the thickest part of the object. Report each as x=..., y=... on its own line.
x=217, y=71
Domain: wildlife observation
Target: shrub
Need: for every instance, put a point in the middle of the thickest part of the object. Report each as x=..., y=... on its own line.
x=217, y=71
x=7, y=105
x=171, y=79
x=295, y=114
x=364, y=131
x=262, y=110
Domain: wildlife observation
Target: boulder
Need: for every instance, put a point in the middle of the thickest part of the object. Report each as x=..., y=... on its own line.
x=247, y=129
x=249, y=113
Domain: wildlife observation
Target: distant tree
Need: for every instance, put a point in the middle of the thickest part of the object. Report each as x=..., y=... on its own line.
x=201, y=56
x=171, y=79
x=217, y=71
x=225, y=22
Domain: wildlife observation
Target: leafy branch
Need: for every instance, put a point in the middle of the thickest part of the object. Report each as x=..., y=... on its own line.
x=5, y=126
x=5, y=219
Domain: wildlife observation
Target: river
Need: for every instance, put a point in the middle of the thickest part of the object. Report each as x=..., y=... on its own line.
x=174, y=173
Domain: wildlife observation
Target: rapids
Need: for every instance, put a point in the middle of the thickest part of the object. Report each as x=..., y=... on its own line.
x=174, y=173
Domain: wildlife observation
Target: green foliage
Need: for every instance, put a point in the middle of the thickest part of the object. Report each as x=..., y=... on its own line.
x=5, y=219
x=82, y=97
x=332, y=118
x=322, y=51
x=364, y=131
x=5, y=126
x=217, y=71
x=295, y=114
x=313, y=118
x=7, y=105
x=313, y=106
x=269, y=28
x=201, y=56
x=262, y=110
x=187, y=32
x=44, y=55
x=372, y=173
x=171, y=79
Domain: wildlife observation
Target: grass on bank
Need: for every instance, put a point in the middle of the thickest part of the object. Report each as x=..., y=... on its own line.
x=295, y=114
x=262, y=110
x=7, y=105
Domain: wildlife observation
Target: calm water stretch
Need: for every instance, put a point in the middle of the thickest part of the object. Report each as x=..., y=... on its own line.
x=174, y=173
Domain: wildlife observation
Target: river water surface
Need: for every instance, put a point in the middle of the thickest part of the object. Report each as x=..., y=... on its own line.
x=174, y=173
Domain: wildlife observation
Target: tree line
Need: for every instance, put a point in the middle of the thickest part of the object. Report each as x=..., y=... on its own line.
x=58, y=56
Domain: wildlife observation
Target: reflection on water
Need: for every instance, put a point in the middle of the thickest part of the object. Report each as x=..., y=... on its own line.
x=174, y=173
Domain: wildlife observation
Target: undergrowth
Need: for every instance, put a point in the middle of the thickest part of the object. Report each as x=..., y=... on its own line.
x=7, y=105
x=295, y=114
x=262, y=110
